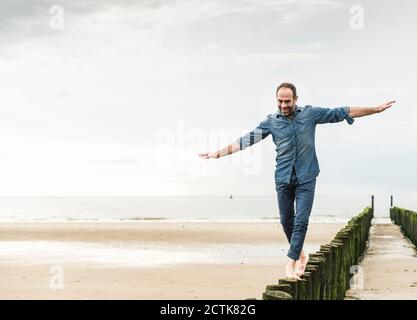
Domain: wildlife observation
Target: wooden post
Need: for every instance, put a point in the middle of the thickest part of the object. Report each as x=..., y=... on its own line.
x=308, y=277
x=318, y=281
x=415, y=228
x=335, y=269
x=319, y=258
x=328, y=270
x=344, y=283
x=279, y=287
x=372, y=202
x=339, y=267
x=302, y=289
x=276, y=295
x=357, y=242
x=315, y=281
x=294, y=286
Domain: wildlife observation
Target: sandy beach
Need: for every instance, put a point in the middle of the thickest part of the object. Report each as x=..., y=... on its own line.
x=145, y=259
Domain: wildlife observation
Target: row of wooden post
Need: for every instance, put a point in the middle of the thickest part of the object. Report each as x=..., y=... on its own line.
x=328, y=271
x=407, y=220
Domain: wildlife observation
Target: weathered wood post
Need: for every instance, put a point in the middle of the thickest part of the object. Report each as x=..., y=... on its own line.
x=302, y=289
x=294, y=286
x=335, y=269
x=344, y=264
x=317, y=259
x=357, y=241
x=326, y=250
x=315, y=281
x=276, y=295
x=415, y=228
x=338, y=245
x=354, y=225
x=307, y=276
x=279, y=287
x=372, y=202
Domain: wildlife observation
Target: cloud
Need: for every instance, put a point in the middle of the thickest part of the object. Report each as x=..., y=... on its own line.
x=21, y=19
x=121, y=71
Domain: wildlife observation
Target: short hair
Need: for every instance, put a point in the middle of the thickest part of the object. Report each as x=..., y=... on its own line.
x=289, y=86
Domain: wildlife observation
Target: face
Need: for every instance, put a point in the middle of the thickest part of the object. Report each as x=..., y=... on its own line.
x=286, y=101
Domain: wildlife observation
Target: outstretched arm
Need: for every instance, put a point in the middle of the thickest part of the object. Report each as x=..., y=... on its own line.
x=356, y=112
x=231, y=148
x=249, y=139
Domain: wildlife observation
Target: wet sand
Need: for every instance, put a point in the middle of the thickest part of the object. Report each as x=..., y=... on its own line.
x=145, y=260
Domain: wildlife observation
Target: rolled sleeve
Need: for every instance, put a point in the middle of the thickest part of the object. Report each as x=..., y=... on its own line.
x=254, y=136
x=332, y=115
x=349, y=119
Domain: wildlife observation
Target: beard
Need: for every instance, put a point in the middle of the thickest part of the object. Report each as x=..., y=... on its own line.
x=289, y=110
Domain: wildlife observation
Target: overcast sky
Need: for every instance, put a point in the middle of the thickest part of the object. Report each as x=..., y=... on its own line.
x=123, y=97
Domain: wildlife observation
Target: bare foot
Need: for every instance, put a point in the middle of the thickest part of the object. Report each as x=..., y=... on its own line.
x=289, y=270
x=301, y=264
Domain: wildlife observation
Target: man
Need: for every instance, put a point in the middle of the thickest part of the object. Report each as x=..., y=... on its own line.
x=293, y=131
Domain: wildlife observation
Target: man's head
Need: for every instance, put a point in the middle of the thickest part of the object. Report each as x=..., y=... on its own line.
x=286, y=98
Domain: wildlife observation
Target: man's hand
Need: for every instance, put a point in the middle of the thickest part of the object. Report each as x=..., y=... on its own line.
x=356, y=112
x=384, y=106
x=231, y=148
x=208, y=155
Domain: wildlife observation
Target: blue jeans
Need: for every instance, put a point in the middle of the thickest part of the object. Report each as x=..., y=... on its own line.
x=295, y=223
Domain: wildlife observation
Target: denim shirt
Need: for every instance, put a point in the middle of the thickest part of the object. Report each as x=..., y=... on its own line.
x=295, y=139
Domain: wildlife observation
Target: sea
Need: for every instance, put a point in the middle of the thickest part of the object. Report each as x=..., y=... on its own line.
x=326, y=209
